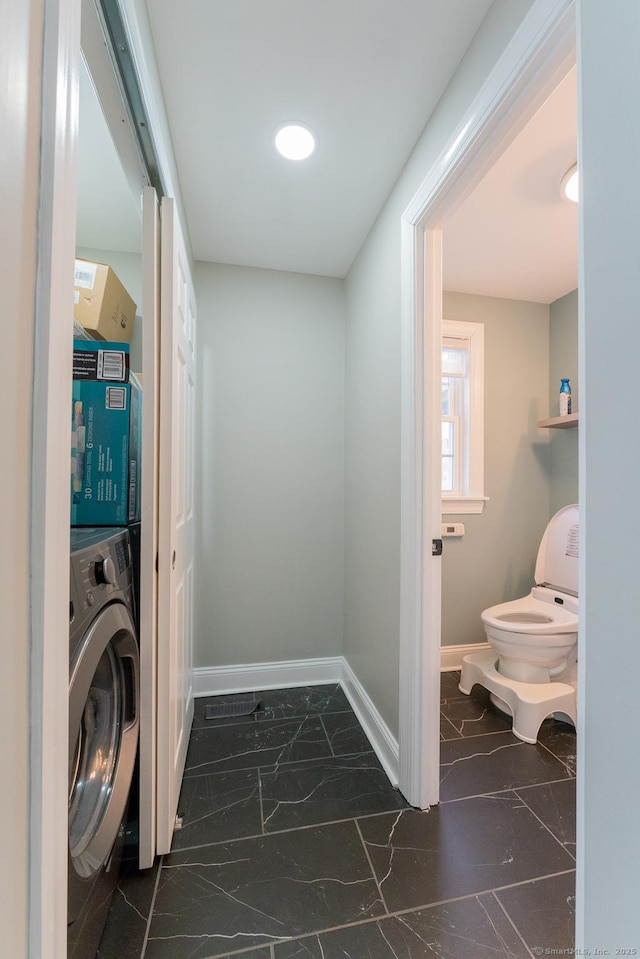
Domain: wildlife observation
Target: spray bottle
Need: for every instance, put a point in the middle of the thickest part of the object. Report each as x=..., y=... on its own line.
x=565, y=397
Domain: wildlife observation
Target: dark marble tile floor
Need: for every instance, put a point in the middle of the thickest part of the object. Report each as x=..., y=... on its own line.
x=294, y=844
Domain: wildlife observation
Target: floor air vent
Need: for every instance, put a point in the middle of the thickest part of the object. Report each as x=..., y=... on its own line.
x=228, y=710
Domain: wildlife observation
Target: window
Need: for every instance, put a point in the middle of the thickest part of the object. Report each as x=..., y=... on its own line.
x=462, y=417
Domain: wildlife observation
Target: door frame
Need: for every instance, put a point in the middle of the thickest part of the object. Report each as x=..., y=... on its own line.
x=49, y=535
x=539, y=55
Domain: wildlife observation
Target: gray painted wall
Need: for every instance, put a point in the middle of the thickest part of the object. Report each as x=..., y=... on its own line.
x=372, y=472
x=372, y=398
x=563, y=361
x=494, y=561
x=529, y=473
x=270, y=466
x=608, y=835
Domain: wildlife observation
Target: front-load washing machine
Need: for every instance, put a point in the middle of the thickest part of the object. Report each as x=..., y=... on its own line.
x=104, y=668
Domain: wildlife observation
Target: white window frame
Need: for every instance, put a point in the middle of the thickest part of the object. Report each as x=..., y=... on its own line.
x=456, y=456
x=471, y=499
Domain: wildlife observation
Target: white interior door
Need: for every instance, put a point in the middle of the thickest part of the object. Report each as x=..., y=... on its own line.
x=176, y=520
x=148, y=620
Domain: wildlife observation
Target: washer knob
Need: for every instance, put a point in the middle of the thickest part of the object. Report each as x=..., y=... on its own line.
x=104, y=571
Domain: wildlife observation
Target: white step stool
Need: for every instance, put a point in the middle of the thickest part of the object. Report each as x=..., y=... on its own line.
x=528, y=703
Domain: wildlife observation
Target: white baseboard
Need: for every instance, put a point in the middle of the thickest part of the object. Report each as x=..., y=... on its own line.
x=223, y=680
x=385, y=745
x=451, y=656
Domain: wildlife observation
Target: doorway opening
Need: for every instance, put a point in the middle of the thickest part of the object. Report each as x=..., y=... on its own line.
x=541, y=53
x=511, y=256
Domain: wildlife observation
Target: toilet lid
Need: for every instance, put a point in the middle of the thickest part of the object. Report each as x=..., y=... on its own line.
x=557, y=563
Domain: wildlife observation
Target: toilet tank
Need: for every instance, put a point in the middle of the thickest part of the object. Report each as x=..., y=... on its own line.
x=557, y=562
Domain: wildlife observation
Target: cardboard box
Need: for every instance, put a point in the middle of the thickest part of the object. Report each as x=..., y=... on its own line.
x=101, y=303
x=106, y=419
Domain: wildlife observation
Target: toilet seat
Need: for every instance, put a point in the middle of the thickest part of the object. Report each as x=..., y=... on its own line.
x=534, y=616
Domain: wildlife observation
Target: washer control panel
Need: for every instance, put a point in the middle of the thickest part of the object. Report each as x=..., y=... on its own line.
x=100, y=566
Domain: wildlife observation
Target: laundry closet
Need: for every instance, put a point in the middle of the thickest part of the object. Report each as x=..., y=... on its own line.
x=128, y=222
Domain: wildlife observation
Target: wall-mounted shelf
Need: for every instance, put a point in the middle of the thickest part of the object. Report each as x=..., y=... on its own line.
x=559, y=422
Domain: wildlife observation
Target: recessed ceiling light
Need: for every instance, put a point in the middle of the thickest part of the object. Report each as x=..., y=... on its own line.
x=295, y=142
x=569, y=184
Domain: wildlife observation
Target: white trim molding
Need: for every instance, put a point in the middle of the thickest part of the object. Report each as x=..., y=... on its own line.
x=289, y=674
x=250, y=677
x=49, y=723
x=451, y=656
x=453, y=505
x=385, y=745
x=539, y=55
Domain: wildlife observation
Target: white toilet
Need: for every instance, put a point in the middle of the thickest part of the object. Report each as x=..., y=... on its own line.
x=530, y=669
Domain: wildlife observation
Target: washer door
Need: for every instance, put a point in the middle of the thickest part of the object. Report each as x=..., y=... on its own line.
x=103, y=736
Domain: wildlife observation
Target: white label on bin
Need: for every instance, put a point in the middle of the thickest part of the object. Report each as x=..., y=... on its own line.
x=573, y=541
x=111, y=365
x=85, y=275
x=116, y=398
x=76, y=297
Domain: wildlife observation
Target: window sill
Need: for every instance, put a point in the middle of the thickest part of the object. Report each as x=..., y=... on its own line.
x=463, y=504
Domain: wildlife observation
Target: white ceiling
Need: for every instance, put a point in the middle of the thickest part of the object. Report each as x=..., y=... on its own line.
x=364, y=75
x=366, y=84
x=516, y=236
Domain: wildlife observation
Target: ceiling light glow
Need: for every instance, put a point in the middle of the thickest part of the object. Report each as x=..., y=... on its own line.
x=569, y=184
x=295, y=142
